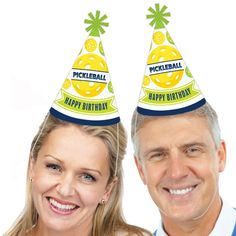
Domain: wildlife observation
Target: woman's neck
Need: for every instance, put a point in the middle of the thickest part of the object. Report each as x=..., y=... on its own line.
x=41, y=230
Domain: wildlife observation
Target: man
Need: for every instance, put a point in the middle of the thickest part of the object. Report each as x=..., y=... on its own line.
x=179, y=158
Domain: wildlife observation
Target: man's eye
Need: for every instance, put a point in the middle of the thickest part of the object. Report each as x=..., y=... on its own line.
x=193, y=151
x=53, y=167
x=158, y=156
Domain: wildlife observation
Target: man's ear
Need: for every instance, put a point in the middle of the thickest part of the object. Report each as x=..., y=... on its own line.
x=140, y=169
x=221, y=154
x=109, y=189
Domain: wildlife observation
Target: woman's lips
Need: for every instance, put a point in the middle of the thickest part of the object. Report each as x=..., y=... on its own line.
x=61, y=207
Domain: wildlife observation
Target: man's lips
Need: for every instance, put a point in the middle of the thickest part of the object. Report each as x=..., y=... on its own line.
x=61, y=207
x=180, y=191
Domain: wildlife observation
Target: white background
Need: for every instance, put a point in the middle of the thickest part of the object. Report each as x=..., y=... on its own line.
x=39, y=42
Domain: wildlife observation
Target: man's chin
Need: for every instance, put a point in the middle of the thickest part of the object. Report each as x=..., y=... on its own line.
x=180, y=214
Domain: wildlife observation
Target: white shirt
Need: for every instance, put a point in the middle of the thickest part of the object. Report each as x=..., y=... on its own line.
x=225, y=223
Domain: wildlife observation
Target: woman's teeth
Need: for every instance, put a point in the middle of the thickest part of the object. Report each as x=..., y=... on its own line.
x=62, y=207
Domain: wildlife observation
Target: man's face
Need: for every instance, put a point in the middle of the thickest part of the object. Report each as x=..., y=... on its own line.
x=180, y=164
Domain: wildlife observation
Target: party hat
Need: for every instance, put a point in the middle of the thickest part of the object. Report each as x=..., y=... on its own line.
x=168, y=86
x=87, y=96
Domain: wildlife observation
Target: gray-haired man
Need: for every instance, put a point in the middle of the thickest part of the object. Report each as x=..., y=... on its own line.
x=179, y=158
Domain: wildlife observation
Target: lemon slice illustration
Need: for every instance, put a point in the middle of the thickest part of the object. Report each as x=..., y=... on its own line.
x=90, y=45
x=110, y=87
x=158, y=37
x=66, y=83
x=146, y=80
x=162, y=54
x=101, y=50
x=188, y=72
x=170, y=40
x=89, y=62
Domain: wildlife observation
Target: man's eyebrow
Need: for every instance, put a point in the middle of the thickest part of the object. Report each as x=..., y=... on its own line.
x=164, y=149
x=154, y=150
x=199, y=144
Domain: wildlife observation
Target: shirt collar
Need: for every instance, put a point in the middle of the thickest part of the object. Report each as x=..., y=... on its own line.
x=160, y=230
x=224, y=225
x=226, y=221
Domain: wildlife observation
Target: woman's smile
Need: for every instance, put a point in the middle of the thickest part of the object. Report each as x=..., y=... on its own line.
x=61, y=207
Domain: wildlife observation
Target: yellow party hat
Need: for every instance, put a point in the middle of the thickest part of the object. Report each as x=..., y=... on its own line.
x=168, y=86
x=87, y=95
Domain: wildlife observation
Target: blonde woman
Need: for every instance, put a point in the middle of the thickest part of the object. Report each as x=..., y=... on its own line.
x=74, y=182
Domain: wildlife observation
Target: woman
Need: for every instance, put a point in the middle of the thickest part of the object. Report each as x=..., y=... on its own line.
x=74, y=182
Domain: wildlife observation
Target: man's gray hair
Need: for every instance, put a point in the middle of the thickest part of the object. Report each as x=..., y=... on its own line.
x=205, y=111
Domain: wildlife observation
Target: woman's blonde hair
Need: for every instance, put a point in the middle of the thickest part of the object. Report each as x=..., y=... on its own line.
x=108, y=218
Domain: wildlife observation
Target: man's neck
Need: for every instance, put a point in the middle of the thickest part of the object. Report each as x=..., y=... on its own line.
x=195, y=227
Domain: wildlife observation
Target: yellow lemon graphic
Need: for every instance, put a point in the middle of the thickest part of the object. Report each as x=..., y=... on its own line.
x=158, y=37
x=146, y=80
x=162, y=54
x=90, y=45
x=66, y=83
x=89, y=62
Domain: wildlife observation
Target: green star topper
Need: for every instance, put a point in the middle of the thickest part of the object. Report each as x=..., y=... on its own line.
x=96, y=24
x=159, y=16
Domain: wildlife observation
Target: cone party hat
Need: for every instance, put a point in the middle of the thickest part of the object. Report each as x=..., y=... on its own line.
x=87, y=96
x=168, y=86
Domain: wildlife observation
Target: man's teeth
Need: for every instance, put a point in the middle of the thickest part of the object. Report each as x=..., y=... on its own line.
x=180, y=191
x=61, y=206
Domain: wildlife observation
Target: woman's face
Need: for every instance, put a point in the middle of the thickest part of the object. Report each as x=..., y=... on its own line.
x=69, y=179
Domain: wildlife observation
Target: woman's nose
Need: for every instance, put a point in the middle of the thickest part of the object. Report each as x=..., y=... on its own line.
x=65, y=186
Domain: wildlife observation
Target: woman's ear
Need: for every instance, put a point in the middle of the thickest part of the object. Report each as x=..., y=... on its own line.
x=109, y=189
x=31, y=167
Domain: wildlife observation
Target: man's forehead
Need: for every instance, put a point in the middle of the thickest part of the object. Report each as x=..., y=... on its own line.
x=149, y=122
x=172, y=128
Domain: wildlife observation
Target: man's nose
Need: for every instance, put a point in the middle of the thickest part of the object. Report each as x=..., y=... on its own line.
x=65, y=186
x=177, y=168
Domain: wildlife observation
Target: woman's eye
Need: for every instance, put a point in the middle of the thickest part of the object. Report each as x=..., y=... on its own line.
x=88, y=178
x=53, y=167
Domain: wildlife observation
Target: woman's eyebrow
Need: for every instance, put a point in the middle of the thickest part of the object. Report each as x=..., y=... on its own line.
x=93, y=170
x=81, y=169
x=53, y=157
